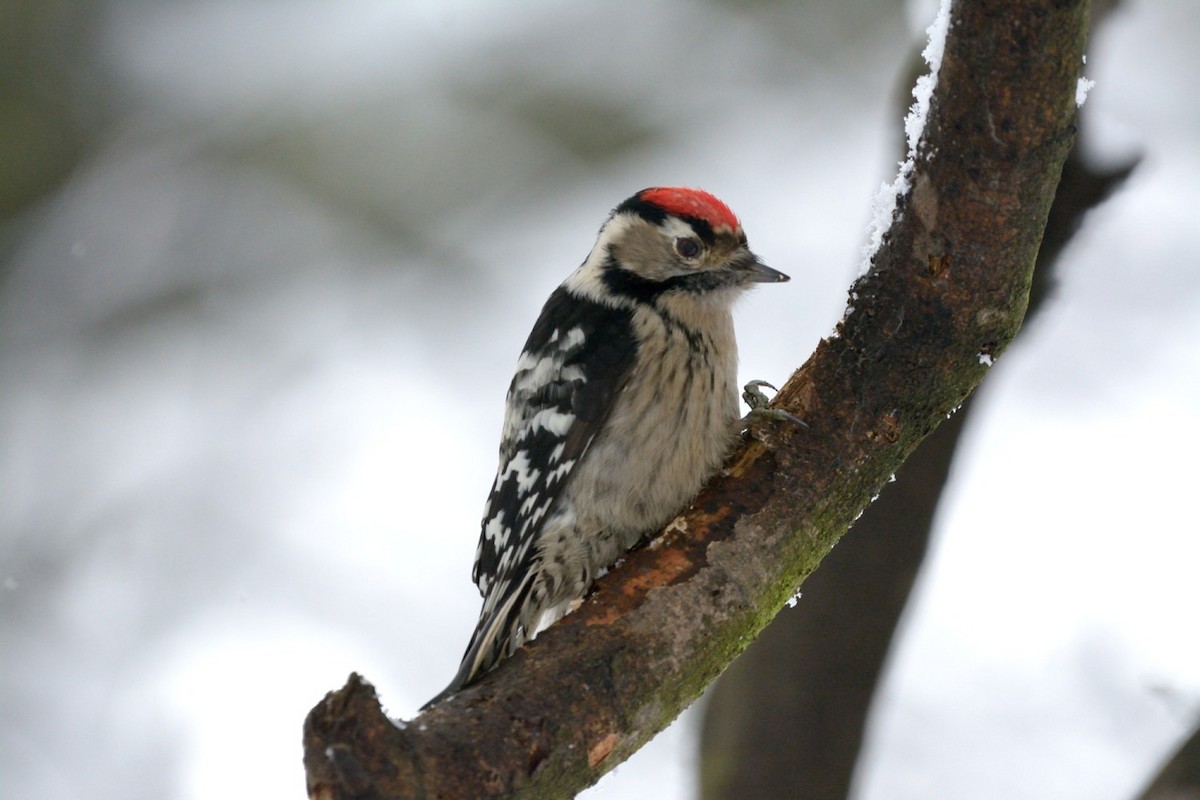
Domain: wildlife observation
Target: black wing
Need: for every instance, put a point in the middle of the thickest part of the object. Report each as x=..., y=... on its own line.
x=574, y=364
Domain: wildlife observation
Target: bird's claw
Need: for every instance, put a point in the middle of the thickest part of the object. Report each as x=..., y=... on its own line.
x=754, y=396
x=759, y=406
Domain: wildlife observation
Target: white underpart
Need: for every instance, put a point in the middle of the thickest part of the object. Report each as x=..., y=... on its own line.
x=914, y=128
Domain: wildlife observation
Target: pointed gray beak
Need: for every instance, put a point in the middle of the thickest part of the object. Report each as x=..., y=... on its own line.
x=761, y=273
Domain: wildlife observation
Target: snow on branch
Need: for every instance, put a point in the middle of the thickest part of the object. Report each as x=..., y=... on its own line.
x=884, y=204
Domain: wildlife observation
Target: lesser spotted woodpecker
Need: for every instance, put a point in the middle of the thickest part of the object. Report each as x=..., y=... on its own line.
x=623, y=404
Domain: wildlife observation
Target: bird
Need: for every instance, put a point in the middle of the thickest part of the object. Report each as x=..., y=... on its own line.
x=623, y=404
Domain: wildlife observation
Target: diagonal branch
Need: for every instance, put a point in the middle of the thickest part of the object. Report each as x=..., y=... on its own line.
x=945, y=294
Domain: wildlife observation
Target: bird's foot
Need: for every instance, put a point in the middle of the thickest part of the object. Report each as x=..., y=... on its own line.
x=760, y=410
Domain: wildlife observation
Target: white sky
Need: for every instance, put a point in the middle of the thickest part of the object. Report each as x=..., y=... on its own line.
x=253, y=357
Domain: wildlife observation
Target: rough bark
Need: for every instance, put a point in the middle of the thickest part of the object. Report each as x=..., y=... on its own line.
x=788, y=718
x=949, y=285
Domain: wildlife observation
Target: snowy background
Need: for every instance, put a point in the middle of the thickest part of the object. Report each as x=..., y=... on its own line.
x=254, y=347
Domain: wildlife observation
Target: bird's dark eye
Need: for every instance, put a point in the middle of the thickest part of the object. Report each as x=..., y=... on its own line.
x=688, y=248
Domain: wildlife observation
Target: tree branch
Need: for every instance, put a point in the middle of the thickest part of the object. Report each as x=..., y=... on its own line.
x=787, y=719
x=946, y=292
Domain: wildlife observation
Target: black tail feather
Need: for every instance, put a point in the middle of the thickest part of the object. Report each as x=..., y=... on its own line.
x=494, y=633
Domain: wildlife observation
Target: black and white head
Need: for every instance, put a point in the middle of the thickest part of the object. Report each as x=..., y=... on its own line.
x=676, y=241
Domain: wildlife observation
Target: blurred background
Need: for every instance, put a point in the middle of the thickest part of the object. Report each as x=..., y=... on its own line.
x=266, y=266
